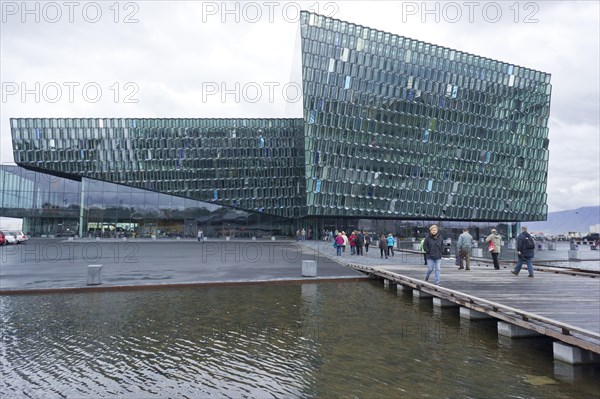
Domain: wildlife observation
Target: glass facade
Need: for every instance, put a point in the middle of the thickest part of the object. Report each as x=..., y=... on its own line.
x=251, y=164
x=396, y=127
x=51, y=205
x=393, y=128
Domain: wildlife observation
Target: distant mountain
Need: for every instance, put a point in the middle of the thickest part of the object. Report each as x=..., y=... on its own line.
x=575, y=220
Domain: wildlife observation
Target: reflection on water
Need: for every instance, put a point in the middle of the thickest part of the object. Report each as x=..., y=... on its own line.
x=313, y=340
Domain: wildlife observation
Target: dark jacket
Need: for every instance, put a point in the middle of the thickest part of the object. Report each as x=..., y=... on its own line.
x=382, y=243
x=360, y=240
x=522, y=245
x=433, y=246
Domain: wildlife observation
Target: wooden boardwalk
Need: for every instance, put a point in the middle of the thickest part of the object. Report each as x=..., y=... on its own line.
x=561, y=306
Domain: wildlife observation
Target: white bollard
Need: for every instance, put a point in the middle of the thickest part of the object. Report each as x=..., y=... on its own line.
x=541, y=247
x=309, y=268
x=94, y=275
x=477, y=252
x=273, y=238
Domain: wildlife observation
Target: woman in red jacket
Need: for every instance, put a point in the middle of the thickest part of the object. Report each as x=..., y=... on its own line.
x=352, y=240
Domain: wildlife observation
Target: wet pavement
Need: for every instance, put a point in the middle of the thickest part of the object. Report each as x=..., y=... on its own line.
x=48, y=264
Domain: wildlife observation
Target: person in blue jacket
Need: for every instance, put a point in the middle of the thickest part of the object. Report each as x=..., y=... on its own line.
x=390, y=244
x=434, y=248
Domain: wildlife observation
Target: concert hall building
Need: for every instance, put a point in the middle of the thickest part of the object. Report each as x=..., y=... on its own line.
x=396, y=133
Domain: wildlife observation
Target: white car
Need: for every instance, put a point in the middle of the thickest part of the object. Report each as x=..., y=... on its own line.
x=21, y=238
x=10, y=238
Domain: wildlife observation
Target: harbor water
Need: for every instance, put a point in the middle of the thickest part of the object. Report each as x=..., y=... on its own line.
x=353, y=340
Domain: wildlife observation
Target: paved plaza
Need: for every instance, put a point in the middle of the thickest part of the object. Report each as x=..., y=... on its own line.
x=43, y=264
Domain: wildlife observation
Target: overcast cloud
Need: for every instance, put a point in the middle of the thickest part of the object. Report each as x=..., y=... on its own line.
x=174, y=56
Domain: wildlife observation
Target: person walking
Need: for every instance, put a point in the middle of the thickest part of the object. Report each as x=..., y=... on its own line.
x=423, y=250
x=360, y=242
x=434, y=248
x=352, y=240
x=390, y=244
x=495, y=243
x=303, y=235
x=525, y=252
x=464, y=244
x=383, y=249
x=367, y=242
x=200, y=235
x=345, y=241
x=339, y=243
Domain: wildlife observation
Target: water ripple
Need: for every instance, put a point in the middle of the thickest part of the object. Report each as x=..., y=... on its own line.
x=331, y=340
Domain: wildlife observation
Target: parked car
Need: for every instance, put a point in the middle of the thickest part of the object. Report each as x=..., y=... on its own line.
x=21, y=238
x=65, y=234
x=591, y=237
x=10, y=238
x=2, y=239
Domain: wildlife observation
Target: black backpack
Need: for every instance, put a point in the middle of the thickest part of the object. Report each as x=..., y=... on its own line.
x=360, y=240
x=529, y=243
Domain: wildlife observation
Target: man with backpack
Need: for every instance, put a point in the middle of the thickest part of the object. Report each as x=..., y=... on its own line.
x=525, y=251
x=360, y=242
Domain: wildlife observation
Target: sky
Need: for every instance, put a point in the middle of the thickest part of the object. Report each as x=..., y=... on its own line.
x=171, y=59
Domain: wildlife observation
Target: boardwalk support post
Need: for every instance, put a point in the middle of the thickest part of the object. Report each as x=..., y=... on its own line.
x=573, y=355
x=421, y=294
x=471, y=314
x=400, y=289
x=513, y=331
x=444, y=303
